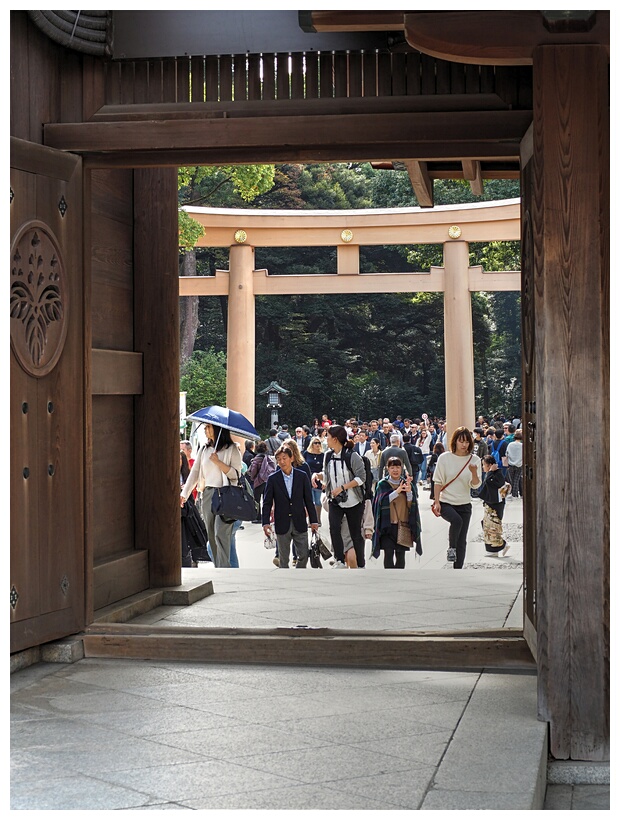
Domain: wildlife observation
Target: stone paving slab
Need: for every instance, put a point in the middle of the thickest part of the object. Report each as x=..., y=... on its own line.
x=262, y=737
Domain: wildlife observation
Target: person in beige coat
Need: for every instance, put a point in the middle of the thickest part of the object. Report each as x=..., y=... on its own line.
x=217, y=464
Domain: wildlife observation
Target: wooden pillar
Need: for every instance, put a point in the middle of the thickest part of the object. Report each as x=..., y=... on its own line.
x=156, y=336
x=458, y=338
x=570, y=218
x=241, y=332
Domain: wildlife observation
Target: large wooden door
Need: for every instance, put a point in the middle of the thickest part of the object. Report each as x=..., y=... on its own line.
x=47, y=396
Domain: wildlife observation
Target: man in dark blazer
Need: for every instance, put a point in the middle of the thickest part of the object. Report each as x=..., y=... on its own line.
x=362, y=446
x=289, y=492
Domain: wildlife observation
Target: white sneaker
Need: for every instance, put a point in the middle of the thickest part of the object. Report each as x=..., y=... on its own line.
x=506, y=548
x=339, y=565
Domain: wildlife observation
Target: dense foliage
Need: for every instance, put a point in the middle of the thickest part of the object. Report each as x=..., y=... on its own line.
x=368, y=355
x=204, y=379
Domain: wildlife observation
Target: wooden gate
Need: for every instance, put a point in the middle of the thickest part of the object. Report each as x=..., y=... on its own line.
x=47, y=395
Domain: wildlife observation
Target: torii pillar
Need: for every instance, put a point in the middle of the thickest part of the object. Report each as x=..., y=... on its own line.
x=458, y=338
x=240, y=346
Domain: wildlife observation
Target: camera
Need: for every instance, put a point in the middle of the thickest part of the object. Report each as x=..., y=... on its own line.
x=341, y=498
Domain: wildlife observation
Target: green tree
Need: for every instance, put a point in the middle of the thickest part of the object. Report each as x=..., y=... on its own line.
x=231, y=186
x=203, y=378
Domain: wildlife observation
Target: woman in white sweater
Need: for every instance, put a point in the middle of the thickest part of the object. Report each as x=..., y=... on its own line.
x=217, y=464
x=456, y=473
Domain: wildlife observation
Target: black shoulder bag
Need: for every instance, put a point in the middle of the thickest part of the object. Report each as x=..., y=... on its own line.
x=235, y=502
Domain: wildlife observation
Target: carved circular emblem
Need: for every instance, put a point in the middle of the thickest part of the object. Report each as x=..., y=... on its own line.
x=454, y=231
x=38, y=299
x=346, y=235
x=240, y=236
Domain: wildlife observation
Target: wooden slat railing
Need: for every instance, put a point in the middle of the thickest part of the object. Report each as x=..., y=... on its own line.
x=307, y=75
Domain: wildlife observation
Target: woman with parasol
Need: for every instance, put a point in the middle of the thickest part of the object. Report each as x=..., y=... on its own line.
x=217, y=463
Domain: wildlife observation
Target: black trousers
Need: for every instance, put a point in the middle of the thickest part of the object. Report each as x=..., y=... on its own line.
x=458, y=516
x=354, y=521
x=393, y=553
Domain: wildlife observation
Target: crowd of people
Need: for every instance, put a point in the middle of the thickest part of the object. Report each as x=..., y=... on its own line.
x=365, y=477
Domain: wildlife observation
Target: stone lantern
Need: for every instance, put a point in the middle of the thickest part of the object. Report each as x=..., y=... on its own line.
x=274, y=393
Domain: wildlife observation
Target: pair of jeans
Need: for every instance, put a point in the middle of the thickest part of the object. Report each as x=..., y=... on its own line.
x=234, y=560
x=423, y=467
x=458, y=516
x=354, y=517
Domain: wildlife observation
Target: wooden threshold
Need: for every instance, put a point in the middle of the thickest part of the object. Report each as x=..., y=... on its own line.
x=491, y=649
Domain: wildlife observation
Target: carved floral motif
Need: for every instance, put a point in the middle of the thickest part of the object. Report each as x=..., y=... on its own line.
x=38, y=302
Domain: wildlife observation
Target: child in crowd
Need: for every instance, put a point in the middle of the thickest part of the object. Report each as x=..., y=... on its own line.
x=493, y=493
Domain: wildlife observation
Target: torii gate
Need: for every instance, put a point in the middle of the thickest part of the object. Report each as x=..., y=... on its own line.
x=455, y=226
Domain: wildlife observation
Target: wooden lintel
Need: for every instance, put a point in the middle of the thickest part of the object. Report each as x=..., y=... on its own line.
x=265, y=285
x=472, y=171
x=433, y=282
x=484, y=222
x=428, y=136
x=494, y=281
x=493, y=37
x=421, y=182
x=283, y=153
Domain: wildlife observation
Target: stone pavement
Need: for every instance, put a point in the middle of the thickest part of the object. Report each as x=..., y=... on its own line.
x=150, y=735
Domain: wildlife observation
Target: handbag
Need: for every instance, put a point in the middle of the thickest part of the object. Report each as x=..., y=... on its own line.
x=315, y=555
x=234, y=502
x=405, y=536
x=323, y=549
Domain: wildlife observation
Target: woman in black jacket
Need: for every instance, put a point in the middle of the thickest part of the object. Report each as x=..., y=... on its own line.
x=315, y=458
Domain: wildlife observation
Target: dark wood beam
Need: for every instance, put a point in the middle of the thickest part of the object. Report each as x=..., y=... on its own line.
x=356, y=20
x=421, y=182
x=326, y=647
x=472, y=171
x=431, y=152
x=420, y=136
x=453, y=169
x=493, y=38
x=301, y=107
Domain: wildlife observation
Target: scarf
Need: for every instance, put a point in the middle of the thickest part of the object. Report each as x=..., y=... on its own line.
x=381, y=514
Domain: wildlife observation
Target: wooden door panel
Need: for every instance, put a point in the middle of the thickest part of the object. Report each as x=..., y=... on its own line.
x=47, y=396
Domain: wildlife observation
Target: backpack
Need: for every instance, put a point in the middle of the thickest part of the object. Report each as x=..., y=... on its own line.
x=267, y=467
x=367, y=485
x=495, y=452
